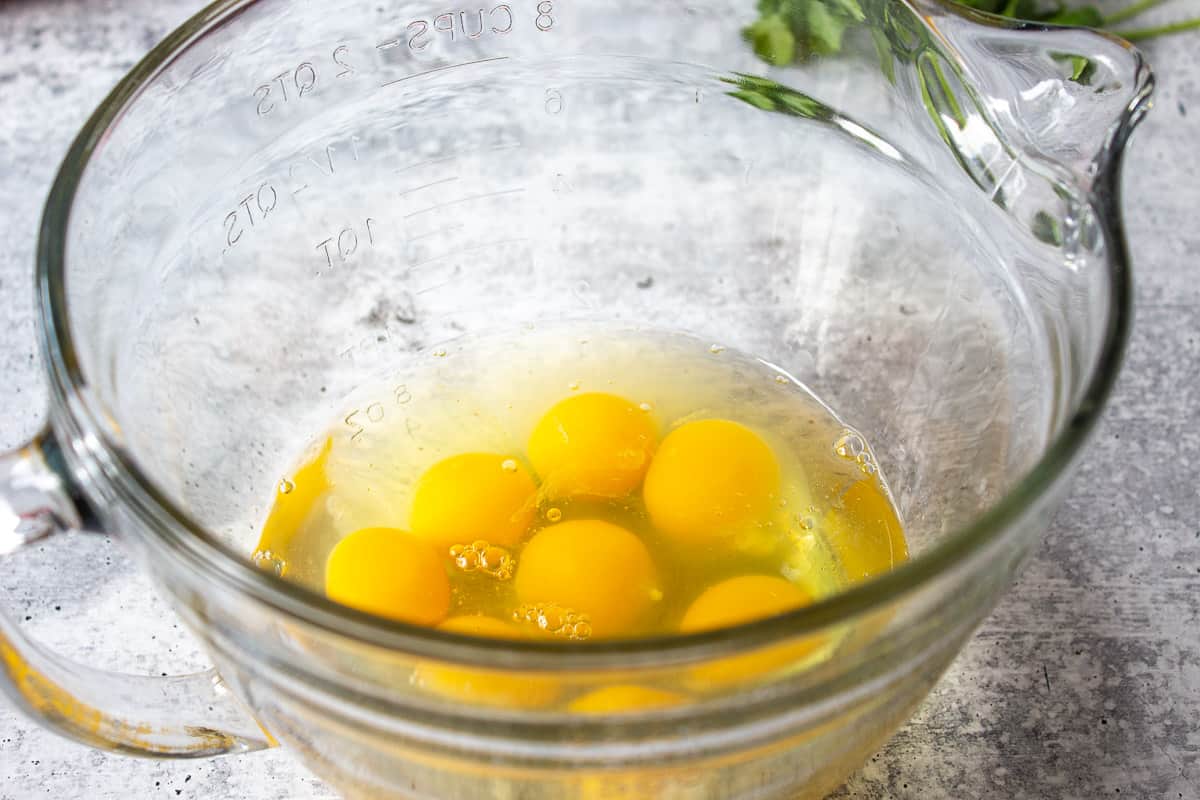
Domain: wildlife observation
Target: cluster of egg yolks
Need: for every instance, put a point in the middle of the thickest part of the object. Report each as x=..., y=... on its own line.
x=592, y=567
x=473, y=496
x=487, y=687
x=742, y=599
x=592, y=445
x=710, y=477
x=707, y=477
x=865, y=532
x=388, y=572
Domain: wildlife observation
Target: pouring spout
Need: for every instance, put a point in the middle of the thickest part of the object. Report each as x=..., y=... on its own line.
x=1031, y=121
x=1067, y=97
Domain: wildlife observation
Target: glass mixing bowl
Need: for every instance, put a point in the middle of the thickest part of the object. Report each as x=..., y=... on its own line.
x=284, y=198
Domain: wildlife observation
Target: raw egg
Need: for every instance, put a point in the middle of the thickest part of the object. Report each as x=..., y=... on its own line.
x=624, y=697
x=386, y=571
x=489, y=687
x=743, y=599
x=709, y=478
x=593, y=568
x=473, y=497
x=592, y=445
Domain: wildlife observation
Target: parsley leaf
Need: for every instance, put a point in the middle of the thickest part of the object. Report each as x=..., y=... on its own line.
x=772, y=39
x=794, y=30
x=1083, y=17
x=789, y=31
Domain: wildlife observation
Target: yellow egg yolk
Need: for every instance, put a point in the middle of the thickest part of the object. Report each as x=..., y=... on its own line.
x=742, y=599
x=708, y=478
x=473, y=497
x=482, y=686
x=593, y=568
x=865, y=532
x=479, y=625
x=592, y=445
x=387, y=572
x=624, y=697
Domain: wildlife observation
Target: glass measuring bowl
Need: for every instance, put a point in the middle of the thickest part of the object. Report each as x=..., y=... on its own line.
x=284, y=200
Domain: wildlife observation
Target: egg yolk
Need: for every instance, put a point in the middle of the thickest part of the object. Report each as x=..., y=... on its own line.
x=865, y=532
x=624, y=697
x=482, y=686
x=742, y=599
x=479, y=625
x=473, y=497
x=592, y=445
x=593, y=568
x=387, y=572
x=708, y=478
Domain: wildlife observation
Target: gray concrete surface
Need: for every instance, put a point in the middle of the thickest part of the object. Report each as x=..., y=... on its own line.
x=1084, y=683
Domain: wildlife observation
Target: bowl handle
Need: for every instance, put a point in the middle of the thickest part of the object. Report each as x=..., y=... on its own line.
x=184, y=716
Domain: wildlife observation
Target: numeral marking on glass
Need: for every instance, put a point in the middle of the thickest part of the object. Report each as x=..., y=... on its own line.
x=545, y=16
x=264, y=200
x=322, y=167
x=252, y=210
x=468, y=25
x=358, y=419
x=340, y=54
x=357, y=429
x=453, y=26
x=346, y=242
x=298, y=81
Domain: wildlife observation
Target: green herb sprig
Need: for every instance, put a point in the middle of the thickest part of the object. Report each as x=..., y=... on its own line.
x=787, y=31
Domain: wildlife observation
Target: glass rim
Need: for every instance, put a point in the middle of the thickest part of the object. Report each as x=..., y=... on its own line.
x=208, y=554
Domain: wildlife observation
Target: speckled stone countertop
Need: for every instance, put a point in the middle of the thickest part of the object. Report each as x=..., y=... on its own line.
x=1085, y=682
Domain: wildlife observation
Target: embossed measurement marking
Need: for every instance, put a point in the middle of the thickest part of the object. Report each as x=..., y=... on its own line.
x=403, y=78
x=466, y=199
x=302, y=78
x=376, y=411
x=428, y=163
x=347, y=240
x=468, y=249
x=251, y=211
x=427, y=186
x=455, y=279
x=436, y=231
x=455, y=25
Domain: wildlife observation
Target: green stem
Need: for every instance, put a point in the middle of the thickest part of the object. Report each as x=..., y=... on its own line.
x=1129, y=12
x=948, y=95
x=1141, y=34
